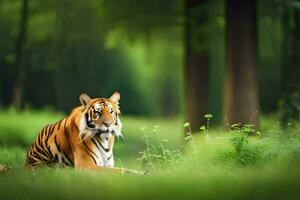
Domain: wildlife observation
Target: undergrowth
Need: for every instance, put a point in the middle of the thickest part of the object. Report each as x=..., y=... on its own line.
x=236, y=148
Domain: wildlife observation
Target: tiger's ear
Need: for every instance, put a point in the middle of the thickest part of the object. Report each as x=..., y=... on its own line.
x=115, y=97
x=84, y=99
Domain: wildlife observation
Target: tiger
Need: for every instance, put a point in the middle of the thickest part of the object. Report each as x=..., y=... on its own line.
x=83, y=140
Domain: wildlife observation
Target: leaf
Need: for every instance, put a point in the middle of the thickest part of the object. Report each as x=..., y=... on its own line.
x=164, y=140
x=188, y=137
x=186, y=124
x=258, y=133
x=235, y=125
x=208, y=116
x=143, y=128
x=202, y=128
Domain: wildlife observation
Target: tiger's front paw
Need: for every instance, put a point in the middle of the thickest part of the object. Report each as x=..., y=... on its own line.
x=135, y=172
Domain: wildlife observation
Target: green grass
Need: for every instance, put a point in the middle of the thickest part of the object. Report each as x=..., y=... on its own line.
x=220, y=165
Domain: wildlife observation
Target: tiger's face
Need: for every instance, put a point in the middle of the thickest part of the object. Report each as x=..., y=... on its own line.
x=100, y=116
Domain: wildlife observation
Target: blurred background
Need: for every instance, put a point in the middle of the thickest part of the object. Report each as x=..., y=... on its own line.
x=171, y=58
x=212, y=63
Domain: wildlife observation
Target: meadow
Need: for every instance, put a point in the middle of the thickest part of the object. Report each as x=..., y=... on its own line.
x=214, y=164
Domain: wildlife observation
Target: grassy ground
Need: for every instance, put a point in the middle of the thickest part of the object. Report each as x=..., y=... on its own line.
x=215, y=165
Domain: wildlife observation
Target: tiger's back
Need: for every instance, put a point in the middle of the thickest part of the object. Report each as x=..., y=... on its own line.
x=47, y=150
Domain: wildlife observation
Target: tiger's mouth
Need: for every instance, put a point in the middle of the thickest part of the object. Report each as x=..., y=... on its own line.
x=105, y=131
x=99, y=132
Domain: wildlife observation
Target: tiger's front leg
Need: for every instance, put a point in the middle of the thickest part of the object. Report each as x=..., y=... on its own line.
x=111, y=169
x=115, y=170
x=84, y=161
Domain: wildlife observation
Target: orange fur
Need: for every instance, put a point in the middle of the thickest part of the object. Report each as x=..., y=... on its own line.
x=84, y=139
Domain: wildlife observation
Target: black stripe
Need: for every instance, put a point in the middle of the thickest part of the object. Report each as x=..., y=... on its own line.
x=39, y=136
x=91, y=156
x=36, y=155
x=93, y=140
x=46, y=130
x=91, y=106
x=39, y=147
x=89, y=122
x=51, y=129
x=76, y=127
x=102, y=147
x=41, y=150
x=89, y=149
x=56, y=158
x=49, y=133
x=66, y=132
x=70, y=161
x=65, y=128
x=42, y=131
x=105, y=149
x=57, y=145
x=87, y=118
x=47, y=137
x=59, y=123
x=49, y=150
x=63, y=160
x=43, y=156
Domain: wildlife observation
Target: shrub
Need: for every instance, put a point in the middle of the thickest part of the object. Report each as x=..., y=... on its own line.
x=246, y=153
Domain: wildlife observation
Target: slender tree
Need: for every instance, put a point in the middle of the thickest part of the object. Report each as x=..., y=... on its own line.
x=19, y=71
x=240, y=95
x=291, y=61
x=196, y=62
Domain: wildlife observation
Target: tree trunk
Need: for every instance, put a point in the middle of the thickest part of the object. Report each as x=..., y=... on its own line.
x=196, y=64
x=19, y=71
x=240, y=92
x=290, y=66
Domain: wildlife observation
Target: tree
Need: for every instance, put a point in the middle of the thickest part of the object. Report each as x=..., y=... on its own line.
x=196, y=62
x=291, y=60
x=240, y=92
x=19, y=71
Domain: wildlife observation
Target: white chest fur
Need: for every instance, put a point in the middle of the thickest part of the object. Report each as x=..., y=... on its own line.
x=104, y=153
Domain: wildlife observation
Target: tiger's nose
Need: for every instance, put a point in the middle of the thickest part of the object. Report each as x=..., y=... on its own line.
x=107, y=124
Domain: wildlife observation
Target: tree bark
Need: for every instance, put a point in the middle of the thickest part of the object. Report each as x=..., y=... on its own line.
x=240, y=92
x=19, y=71
x=196, y=65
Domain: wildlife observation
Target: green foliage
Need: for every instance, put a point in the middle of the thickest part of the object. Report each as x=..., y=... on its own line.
x=245, y=153
x=239, y=140
x=208, y=116
x=157, y=156
x=290, y=105
x=235, y=149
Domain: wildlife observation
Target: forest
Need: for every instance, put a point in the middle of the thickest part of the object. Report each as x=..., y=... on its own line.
x=210, y=95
